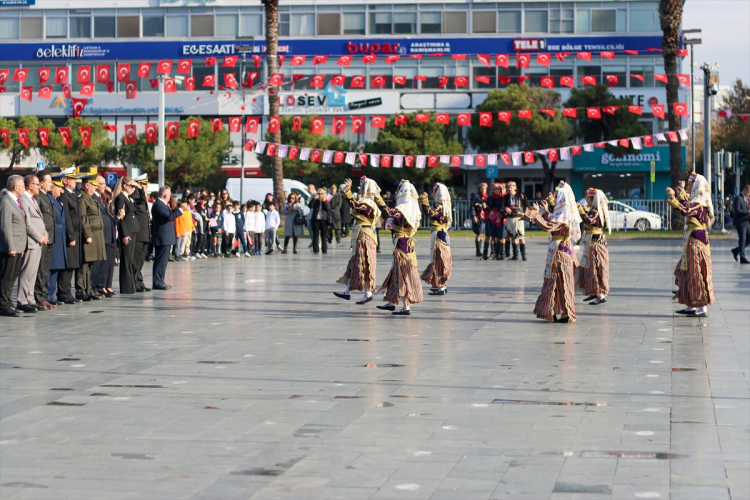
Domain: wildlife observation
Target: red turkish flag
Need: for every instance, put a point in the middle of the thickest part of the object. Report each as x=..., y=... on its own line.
x=522, y=79
x=164, y=67
x=189, y=83
x=316, y=125
x=144, y=69
x=503, y=80
x=501, y=60
x=547, y=81
x=208, y=81
x=293, y=152
x=648, y=141
x=432, y=161
x=576, y=150
x=194, y=128
x=377, y=121
x=170, y=86
x=123, y=73
x=570, y=112
x=637, y=77
x=152, y=133
x=131, y=90
x=409, y=160
x=422, y=117
x=249, y=145
x=23, y=136
x=173, y=130
x=229, y=61
x=281, y=58
x=593, y=113
x=400, y=120
x=385, y=161
x=658, y=110
x=484, y=59
x=338, y=157
x=298, y=60
x=20, y=74
x=391, y=59
x=320, y=59
x=682, y=52
x=680, y=109
x=110, y=87
x=251, y=125
x=363, y=159
x=316, y=154
x=43, y=75
x=65, y=135
x=274, y=124
x=415, y=56
x=543, y=59
x=525, y=113
x=522, y=61
x=184, y=66
x=484, y=79
x=344, y=61
x=504, y=116
x=43, y=135
x=600, y=144
x=256, y=60
x=485, y=119
x=131, y=136
x=561, y=56
x=458, y=57
x=271, y=149
x=78, y=105
x=631, y=52
x=217, y=125
x=636, y=110
x=358, y=124
x=684, y=79
x=442, y=118
x=26, y=93
x=87, y=89
x=588, y=80
x=550, y=112
x=230, y=81
x=357, y=82
x=673, y=136
x=369, y=58
x=276, y=79
x=4, y=76
x=61, y=75
x=339, y=125
x=505, y=157
x=607, y=55
x=377, y=81
x=661, y=78
x=611, y=80
x=211, y=61
x=297, y=123
x=235, y=124
x=566, y=81
x=464, y=119
x=528, y=157
x=624, y=142
x=399, y=79
x=586, y=56
x=102, y=73
x=610, y=109
x=553, y=155
x=461, y=81
x=84, y=74
x=442, y=81
x=338, y=80
x=110, y=128
x=317, y=81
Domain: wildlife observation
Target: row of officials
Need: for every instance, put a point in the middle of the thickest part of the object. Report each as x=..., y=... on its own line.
x=54, y=228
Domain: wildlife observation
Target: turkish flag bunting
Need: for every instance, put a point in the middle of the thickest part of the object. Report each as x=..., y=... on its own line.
x=528, y=157
x=504, y=116
x=673, y=136
x=399, y=79
x=501, y=60
x=461, y=81
x=400, y=120
x=281, y=58
x=377, y=81
x=420, y=78
x=184, y=66
x=317, y=81
x=552, y=154
x=484, y=79
x=586, y=56
x=170, y=86
x=152, y=133
x=78, y=105
x=271, y=149
x=658, y=110
x=588, y=80
x=173, y=130
x=102, y=73
x=230, y=81
x=442, y=81
x=363, y=159
x=344, y=61
x=648, y=141
x=110, y=87
x=251, y=125
x=684, y=79
x=297, y=123
x=391, y=59
x=680, y=109
x=235, y=124
x=85, y=135
x=23, y=136
x=339, y=125
x=570, y=112
x=358, y=124
x=682, y=52
x=131, y=90
x=631, y=52
x=561, y=56
x=316, y=154
x=320, y=59
x=547, y=81
x=316, y=125
x=369, y=58
x=455, y=161
x=274, y=124
x=607, y=55
x=522, y=61
x=338, y=157
x=45, y=91
x=443, y=118
x=216, y=125
x=298, y=60
x=211, y=61
x=566, y=81
x=479, y=160
x=522, y=79
x=130, y=134
x=276, y=79
x=505, y=157
x=61, y=74
x=338, y=80
x=110, y=128
x=164, y=67
x=4, y=76
x=593, y=113
x=189, y=83
x=20, y=74
x=84, y=74
x=144, y=69
x=484, y=59
x=26, y=93
x=43, y=76
x=229, y=61
x=385, y=161
x=422, y=117
x=194, y=128
x=576, y=150
x=485, y=119
x=409, y=160
x=525, y=113
x=123, y=73
x=636, y=76
x=87, y=89
x=503, y=80
x=458, y=57
x=432, y=161
x=610, y=109
x=543, y=59
x=256, y=60
x=464, y=119
x=661, y=78
x=611, y=80
x=208, y=81
x=249, y=145
x=550, y=112
x=625, y=142
x=250, y=77
x=357, y=82
x=293, y=152
x=377, y=121
x=65, y=134
x=43, y=135
x=636, y=110
x=587, y=147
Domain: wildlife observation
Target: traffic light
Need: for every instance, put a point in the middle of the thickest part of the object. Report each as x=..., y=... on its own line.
x=742, y=160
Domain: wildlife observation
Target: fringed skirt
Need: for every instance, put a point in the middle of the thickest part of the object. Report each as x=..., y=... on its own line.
x=594, y=279
x=403, y=281
x=438, y=272
x=558, y=290
x=696, y=288
x=362, y=264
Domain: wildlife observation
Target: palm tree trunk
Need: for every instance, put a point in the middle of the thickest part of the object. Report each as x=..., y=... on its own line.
x=272, y=45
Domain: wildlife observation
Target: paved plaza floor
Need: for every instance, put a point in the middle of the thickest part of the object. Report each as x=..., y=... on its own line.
x=249, y=379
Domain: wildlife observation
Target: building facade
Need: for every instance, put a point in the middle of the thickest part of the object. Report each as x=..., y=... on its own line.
x=426, y=34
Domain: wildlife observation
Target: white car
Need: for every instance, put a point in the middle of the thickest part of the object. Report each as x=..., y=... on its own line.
x=641, y=220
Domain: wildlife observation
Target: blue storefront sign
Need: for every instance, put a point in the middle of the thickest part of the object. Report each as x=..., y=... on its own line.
x=16, y=3
x=153, y=49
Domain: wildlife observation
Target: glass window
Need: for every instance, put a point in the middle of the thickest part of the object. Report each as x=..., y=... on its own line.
x=380, y=23
x=404, y=23
x=57, y=27
x=302, y=25
x=584, y=21
x=128, y=27
x=647, y=72
x=8, y=27
x=201, y=25
x=589, y=71
x=153, y=25
x=227, y=25
x=603, y=20
x=104, y=27
x=251, y=25
x=642, y=20
x=429, y=22
x=354, y=24
x=536, y=21
x=80, y=27
x=561, y=20
x=329, y=24
x=283, y=24
x=454, y=22
x=481, y=22
x=509, y=21
x=32, y=27
x=622, y=21
x=484, y=71
x=177, y=25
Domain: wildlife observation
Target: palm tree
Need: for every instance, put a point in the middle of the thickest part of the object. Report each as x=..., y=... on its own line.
x=670, y=15
x=272, y=45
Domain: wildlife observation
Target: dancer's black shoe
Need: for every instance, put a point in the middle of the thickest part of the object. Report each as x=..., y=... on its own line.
x=344, y=296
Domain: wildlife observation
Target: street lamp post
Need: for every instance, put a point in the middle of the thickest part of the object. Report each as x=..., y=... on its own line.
x=244, y=49
x=691, y=43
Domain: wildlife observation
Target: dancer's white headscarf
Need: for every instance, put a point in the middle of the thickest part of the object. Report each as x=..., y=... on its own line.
x=701, y=194
x=601, y=203
x=407, y=203
x=368, y=188
x=443, y=197
x=566, y=211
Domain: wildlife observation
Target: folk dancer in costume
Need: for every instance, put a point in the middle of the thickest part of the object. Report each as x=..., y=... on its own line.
x=403, y=282
x=563, y=224
x=360, y=272
x=495, y=221
x=515, y=204
x=693, y=272
x=439, y=270
x=477, y=202
x=594, y=267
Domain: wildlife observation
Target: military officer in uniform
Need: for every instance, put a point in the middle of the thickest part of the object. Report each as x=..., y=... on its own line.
x=69, y=201
x=143, y=238
x=92, y=237
x=59, y=260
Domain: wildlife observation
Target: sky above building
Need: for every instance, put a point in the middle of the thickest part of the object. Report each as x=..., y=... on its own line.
x=726, y=36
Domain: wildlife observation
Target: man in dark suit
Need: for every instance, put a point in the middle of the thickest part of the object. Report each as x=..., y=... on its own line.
x=13, y=242
x=101, y=270
x=69, y=201
x=59, y=260
x=143, y=238
x=741, y=216
x=48, y=213
x=163, y=216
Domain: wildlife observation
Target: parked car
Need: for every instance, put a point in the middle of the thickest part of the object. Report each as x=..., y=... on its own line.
x=641, y=220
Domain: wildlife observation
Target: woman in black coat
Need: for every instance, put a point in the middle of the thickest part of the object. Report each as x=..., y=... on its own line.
x=321, y=213
x=127, y=230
